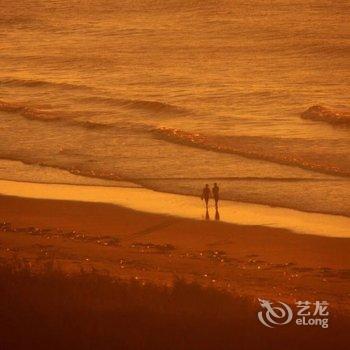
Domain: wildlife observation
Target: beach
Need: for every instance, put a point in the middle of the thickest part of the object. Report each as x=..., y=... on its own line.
x=174, y=174
x=248, y=260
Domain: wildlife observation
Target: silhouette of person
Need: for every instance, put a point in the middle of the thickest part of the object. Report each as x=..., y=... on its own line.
x=217, y=215
x=206, y=195
x=215, y=191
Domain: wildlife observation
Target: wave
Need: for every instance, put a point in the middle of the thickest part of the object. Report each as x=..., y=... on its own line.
x=75, y=170
x=17, y=21
x=259, y=148
x=68, y=119
x=41, y=115
x=145, y=105
x=149, y=106
x=29, y=112
x=47, y=115
x=235, y=178
x=327, y=115
x=33, y=83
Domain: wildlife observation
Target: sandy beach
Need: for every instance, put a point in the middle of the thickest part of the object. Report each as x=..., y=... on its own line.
x=251, y=260
x=174, y=175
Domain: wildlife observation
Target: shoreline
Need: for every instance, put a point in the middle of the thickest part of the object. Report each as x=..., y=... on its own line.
x=183, y=206
x=52, y=175
x=129, y=184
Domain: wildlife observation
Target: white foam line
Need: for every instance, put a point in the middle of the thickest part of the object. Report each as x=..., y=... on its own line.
x=149, y=201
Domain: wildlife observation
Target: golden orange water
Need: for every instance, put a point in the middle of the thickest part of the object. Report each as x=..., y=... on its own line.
x=172, y=94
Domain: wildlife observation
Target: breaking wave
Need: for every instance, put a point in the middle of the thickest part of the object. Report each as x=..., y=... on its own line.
x=326, y=115
x=260, y=148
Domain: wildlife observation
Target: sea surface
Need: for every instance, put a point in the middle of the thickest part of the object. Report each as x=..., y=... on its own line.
x=170, y=95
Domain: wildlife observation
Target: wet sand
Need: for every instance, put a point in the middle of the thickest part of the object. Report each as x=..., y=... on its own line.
x=190, y=207
x=255, y=261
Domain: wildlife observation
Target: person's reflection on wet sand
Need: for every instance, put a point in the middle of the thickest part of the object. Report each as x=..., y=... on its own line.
x=217, y=214
x=207, y=217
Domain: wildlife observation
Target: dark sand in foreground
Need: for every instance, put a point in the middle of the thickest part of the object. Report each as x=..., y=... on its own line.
x=254, y=261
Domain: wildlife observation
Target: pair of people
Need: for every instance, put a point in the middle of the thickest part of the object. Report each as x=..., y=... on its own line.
x=206, y=194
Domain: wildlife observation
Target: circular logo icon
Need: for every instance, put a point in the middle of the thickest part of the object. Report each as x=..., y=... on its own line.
x=274, y=315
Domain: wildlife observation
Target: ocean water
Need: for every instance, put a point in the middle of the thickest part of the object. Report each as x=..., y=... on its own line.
x=174, y=94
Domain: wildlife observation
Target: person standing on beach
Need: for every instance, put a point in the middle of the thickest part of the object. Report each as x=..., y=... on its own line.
x=215, y=192
x=206, y=195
